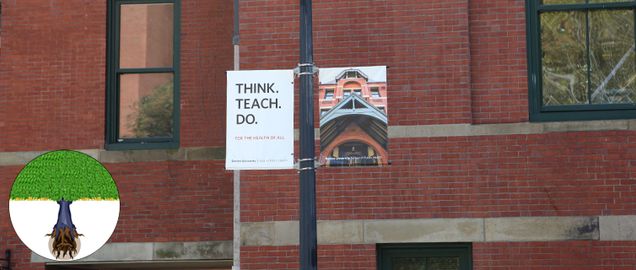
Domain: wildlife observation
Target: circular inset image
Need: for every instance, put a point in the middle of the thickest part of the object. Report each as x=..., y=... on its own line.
x=64, y=205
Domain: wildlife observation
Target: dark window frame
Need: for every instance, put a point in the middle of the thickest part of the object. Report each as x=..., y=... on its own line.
x=113, y=71
x=375, y=92
x=387, y=251
x=329, y=93
x=541, y=113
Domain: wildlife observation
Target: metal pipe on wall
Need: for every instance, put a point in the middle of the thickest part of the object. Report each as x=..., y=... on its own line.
x=236, y=255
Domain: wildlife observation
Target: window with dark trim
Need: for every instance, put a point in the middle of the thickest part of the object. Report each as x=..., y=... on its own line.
x=582, y=59
x=352, y=74
x=447, y=256
x=375, y=92
x=142, y=88
x=329, y=94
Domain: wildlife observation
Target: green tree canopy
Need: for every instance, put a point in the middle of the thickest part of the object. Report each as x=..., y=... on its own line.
x=64, y=174
x=588, y=57
x=153, y=117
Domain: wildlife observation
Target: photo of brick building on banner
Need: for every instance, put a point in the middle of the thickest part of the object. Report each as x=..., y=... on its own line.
x=353, y=120
x=484, y=134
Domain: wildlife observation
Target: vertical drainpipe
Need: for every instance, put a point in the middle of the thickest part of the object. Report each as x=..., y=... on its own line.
x=236, y=256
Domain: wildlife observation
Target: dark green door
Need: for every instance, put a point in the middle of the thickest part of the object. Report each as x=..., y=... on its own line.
x=425, y=257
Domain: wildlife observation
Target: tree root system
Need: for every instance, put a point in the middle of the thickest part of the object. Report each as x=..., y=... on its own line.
x=64, y=241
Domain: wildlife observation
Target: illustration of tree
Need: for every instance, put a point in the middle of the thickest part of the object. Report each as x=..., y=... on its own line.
x=153, y=117
x=64, y=176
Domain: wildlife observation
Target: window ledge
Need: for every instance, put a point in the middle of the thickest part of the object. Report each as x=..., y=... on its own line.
x=395, y=132
x=126, y=156
x=462, y=130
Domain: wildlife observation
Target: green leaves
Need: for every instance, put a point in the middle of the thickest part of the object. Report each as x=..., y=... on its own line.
x=154, y=115
x=64, y=174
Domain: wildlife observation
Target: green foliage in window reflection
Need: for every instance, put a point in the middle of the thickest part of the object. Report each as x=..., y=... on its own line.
x=573, y=72
x=564, y=57
x=154, y=113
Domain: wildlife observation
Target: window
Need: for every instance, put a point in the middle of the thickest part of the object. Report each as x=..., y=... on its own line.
x=425, y=256
x=143, y=74
x=581, y=59
x=323, y=111
x=351, y=75
x=346, y=93
x=328, y=94
x=357, y=92
x=375, y=92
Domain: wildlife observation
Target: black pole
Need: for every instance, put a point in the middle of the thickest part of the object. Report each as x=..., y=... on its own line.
x=308, y=238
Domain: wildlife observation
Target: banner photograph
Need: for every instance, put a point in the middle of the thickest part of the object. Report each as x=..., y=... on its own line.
x=353, y=116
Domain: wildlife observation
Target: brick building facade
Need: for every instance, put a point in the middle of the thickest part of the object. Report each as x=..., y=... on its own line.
x=53, y=67
x=480, y=167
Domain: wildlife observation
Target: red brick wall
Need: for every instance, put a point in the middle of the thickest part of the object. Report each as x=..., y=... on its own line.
x=173, y=201
x=53, y=73
x=498, y=70
x=160, y=202
x=579, y=255
x=502, y=256
x=450, y=62
x=555, y=174
x=206, y=53
x=350, y=257
x=425, y=88
x=52, y=96
x=20, y=254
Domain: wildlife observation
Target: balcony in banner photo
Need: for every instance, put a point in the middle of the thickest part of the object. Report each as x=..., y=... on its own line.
x=353, y=133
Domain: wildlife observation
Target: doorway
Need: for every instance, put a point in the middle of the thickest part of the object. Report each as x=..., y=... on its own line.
x=452, y=256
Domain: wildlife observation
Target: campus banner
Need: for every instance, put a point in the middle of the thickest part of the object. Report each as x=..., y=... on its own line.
x=353, y=116
x=260, y=120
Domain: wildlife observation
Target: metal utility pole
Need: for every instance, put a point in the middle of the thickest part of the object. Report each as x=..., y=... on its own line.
x=236, y=257
x=308, y=239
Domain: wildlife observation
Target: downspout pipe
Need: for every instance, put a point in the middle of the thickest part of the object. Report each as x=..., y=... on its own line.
x=235, y=34
x=236, y=255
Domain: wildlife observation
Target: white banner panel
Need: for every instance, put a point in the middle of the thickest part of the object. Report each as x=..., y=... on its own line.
x=260, y=120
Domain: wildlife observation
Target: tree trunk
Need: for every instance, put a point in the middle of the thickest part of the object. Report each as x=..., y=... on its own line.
x=64, y=219
x=64, y=234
